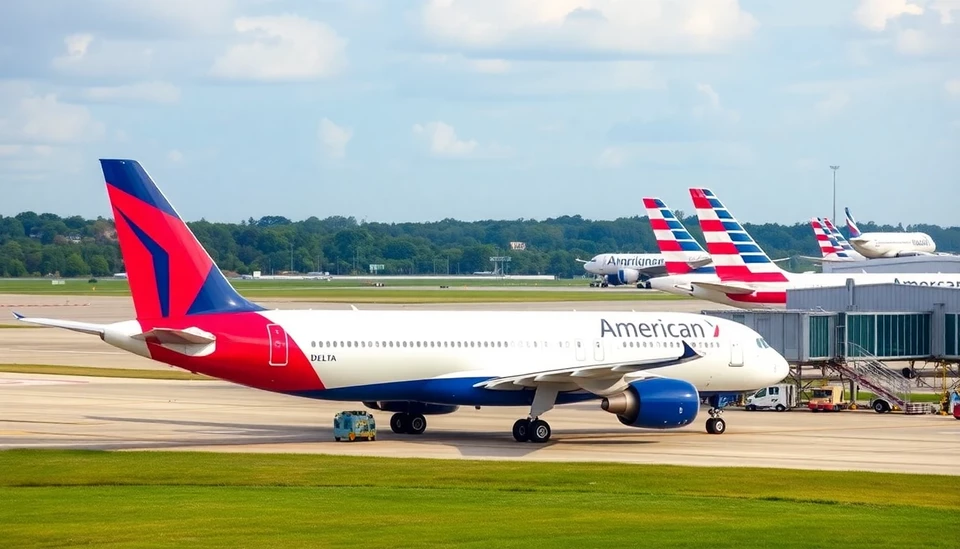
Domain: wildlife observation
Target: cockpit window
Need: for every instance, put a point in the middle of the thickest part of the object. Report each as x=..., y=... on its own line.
x=762, y=343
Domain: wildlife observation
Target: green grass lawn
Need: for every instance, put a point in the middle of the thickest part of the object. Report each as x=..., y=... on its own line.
x=159, y=499
x=356, y=292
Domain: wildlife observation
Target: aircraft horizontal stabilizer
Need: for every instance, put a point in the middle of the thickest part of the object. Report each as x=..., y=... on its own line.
x=725, y=288
x=697, y=263
x=82, y=327
x=573, y=376
x=782, y=259
x=188, y=336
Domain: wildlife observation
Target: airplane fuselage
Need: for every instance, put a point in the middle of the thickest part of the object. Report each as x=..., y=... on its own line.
x=611, y=264
x=877, y=245
x=438, y=356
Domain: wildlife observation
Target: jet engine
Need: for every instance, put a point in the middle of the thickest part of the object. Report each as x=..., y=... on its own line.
x=624, y=276
x=407, y=407
x=656, y=403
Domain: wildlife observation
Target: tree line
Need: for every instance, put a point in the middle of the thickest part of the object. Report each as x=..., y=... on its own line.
x=45, y=244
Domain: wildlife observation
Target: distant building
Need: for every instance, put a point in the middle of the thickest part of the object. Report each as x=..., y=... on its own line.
x=518, y=245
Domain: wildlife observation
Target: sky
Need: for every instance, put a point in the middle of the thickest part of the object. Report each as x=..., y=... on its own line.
x=420, y=110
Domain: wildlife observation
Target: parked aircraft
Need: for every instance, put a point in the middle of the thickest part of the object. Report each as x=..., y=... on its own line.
x=650, y=369
x=838, y=236
x=888, y=244
x=830, y=249
x=620, y=269
x=747, y=276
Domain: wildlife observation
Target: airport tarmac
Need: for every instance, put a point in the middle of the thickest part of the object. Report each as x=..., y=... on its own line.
x=123, y=414
x=54, y=346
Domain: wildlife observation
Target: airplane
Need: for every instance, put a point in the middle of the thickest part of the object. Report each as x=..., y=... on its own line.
x=888, y=244
x=749, y=279
x=620, y=269
x=649, y=369
x=838, y=236
x=830, y=249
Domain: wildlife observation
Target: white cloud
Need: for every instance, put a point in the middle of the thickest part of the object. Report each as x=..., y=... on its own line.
x=283, y=47
x=874, y=14
x=151, y=92
x=43, y=119
x=88, y=55
x=443, y=140
x=490, y=66
x=334, y=138
x=77, y=45
x=461, y=62
x=175, y=156
x=945, y=8
x=605, y=26
x=953, y=87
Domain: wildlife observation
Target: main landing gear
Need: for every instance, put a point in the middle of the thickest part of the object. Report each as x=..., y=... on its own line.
x=532, y=428
x=408, y=424
x=716, y=425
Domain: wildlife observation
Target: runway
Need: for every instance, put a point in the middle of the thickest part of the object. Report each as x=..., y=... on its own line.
x=124, y=414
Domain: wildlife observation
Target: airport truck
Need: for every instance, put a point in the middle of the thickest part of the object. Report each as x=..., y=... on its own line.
x=828, y=399
x=354, y=425
x=780, y=397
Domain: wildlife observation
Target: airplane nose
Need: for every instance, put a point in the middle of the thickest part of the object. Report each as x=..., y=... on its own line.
x=781, y=368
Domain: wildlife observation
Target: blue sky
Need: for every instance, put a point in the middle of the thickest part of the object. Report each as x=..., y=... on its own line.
x=392, y=110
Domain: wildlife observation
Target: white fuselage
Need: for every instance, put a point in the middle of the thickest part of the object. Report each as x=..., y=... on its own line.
x=611, y=264
x=377, y=353
x=876, y=245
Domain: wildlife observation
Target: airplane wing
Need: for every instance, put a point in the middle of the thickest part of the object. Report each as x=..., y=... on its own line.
x=697, y=263
x=781, y=259
x=575, y=376
x=725, y=287
x=578, y=260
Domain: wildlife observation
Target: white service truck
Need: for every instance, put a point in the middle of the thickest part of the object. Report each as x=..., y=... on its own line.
x=780, y=397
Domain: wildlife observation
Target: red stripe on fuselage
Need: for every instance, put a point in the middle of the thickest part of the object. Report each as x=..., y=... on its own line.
x=242, y=353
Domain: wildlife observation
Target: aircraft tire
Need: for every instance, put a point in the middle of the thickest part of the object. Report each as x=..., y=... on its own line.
x=539, y=431
x=399, y=423
x=521, y=430
x=416, y=424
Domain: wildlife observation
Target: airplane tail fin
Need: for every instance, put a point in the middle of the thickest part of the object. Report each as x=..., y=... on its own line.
x=851, y=224
x=681, y=253
x=170, y=273
x=823, y=239
x=736, y=255
x=835, y=233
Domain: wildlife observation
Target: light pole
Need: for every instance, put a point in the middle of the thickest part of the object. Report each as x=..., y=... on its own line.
x=835, y=168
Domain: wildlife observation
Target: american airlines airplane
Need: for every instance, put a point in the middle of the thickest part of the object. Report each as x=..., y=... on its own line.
x=838, y=236
x=888, y=244
x=830, y=249
x=620, y=269
x=747, y=278
x=649, y=369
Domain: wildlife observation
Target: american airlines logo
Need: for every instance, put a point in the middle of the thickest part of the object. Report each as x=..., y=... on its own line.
x=657, y=329
x=635, y=261
x=943, y=283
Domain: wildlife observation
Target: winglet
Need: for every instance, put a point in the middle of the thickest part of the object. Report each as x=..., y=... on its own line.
x=18, y=316
x=688, y=351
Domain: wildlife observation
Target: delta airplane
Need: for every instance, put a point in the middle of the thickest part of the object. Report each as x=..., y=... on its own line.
x=649, y=369
x=747, y=278
x=888, y=244
x=620, y=269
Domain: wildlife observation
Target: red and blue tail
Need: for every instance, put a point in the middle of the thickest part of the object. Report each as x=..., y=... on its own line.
x=736, y=256
x=170, y=273
x=681, y=253
x=851, y=224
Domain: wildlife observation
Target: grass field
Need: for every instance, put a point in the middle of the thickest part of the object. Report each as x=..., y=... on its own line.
x=159, y=499
x=458, y=292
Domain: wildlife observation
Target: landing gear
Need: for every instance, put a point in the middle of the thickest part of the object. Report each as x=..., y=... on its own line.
x=716, y=425
x=408, y=424
x=534, y=429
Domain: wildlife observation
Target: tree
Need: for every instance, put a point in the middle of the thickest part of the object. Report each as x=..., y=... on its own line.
x=75, y=266
x=99, y=266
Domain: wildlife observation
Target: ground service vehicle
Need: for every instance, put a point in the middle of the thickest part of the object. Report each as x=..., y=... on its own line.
x=780, y=397
x=829, y=399
x=353, y=425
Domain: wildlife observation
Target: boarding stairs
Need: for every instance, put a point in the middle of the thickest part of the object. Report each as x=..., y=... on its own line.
x=869, y=373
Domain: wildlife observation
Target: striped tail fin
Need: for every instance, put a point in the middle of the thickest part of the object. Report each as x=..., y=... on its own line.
x=827, y=248
x=170, y=273
x=851, y=224
x=835, y=233
x=736, y=255
x=681, y=253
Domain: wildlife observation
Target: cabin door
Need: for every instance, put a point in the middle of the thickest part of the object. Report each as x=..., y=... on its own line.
x=279, y=352
x=598, y=350
x=581, y=351
x=736, y=354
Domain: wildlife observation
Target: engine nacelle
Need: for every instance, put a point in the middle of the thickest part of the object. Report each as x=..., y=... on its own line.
x=656, y=403
x=411, y=407
x=624, y=276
